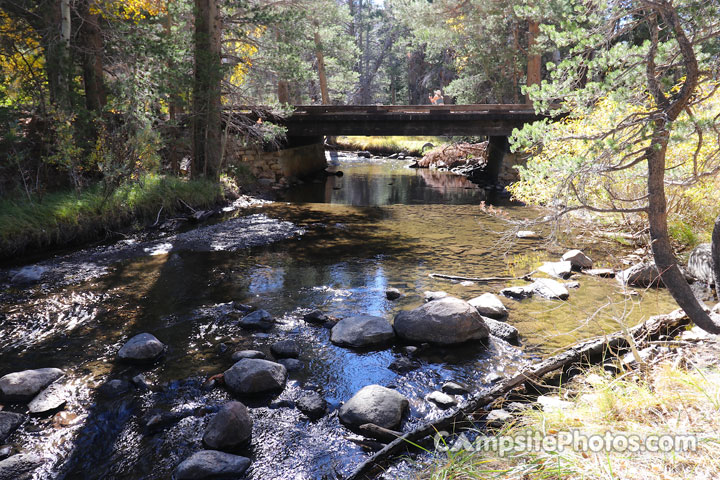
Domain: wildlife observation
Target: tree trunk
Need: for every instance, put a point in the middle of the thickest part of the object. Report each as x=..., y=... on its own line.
x=95, y=95
x=321, y=66
x=206, y=118
x=715, y=248
x=534, y=59
x=283, y=91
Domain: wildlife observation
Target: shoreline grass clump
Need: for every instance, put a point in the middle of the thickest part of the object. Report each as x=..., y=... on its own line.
x=660, y=421
x=68, y=217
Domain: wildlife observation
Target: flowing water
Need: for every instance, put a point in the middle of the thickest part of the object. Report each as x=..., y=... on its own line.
x=336, y=245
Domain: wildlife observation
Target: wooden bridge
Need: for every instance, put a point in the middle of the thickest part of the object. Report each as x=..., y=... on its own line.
x=385, y=120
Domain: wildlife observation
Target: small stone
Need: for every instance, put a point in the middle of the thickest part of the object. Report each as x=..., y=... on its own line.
x=571, y=284
x=430, y=296
x=243, y=307
x=497, y=417
x=143, y=347
x=285, y=349
x=312, y=404
x=502, y=330
x=239, y=355
x=556, y=269
x=528, y=234
x=316, y=316
x=65, y=419
x=278, y=404
x=600, y=272
x=257, y=320
x=455, y=388
x=49, y=401
x=517, y=293
x=493, y=377
x=410, y=349
x=9, y=422
x=292, y=364
x=553, y=404
x=211, y=464
x=229, y=428
x=222, y=348
x=517, y=407
x=392, y=294
x=403, y=365
x=442, y=400
x=5, y=451
x=578, y=259
x=489, y=305
x=140, y=382
x=114, y=388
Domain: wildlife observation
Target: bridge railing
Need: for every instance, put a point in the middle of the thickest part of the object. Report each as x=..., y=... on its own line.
x=355, y=109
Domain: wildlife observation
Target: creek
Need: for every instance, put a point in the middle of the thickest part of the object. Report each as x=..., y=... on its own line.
x=334, y=244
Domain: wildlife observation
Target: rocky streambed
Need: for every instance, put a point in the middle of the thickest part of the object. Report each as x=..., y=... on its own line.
x=286, y=342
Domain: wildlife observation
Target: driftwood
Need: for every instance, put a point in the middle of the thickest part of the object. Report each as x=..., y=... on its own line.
x=479, y=279
x=583, y=353
x=379, y=433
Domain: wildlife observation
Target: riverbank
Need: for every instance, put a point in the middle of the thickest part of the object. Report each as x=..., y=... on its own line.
x=71, y=218
x=654, y=415
x=414, y=146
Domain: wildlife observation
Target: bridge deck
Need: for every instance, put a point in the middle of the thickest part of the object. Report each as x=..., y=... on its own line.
x=492, y=120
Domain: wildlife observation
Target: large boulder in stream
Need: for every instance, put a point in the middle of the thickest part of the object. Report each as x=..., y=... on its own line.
x=362, y=331
x=211, y=464
x=230, y=428
x=254, y=375
x=489, y=305
x=141, y=348
x=374, y=404
x=445, y=321
x=23, y=386
x=550, y=289
x=641, y=275
x=19, y=467
x=9, y=422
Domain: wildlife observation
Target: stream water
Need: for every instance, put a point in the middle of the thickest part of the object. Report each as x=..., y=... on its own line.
x=336, y=245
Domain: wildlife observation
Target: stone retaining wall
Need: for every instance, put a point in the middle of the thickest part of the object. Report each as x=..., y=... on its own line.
x=280, y=167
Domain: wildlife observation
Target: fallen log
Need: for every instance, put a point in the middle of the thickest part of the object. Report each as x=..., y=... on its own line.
x=478, y=279
x=583, y=353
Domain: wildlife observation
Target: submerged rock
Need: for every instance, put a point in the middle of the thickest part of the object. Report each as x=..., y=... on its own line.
x=317, y=317
x=114, y=388
x=239, y=355
x=23, y=386
x=502, y=330
x=374, y=404
x=143, y=347
x=403, y=365
x=257, y=320
x=253, y=375
x=312, y=404
x=285, y=349
x=517, y=293
x=549, y=289
x=446, y=321
x=442, y=400
x=489, y=305
x=362, y=331
x=577, y=259
x=28, y=276
x=230, y=428
x=291, y=364
x=455, y=388
x=9, y=422
x=211, y=464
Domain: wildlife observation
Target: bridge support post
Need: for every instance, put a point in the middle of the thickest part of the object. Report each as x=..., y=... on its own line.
x=498, y=146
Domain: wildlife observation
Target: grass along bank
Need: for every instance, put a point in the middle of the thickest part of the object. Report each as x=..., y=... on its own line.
x=669, y=402
x=389, y=145
x=65, y=218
